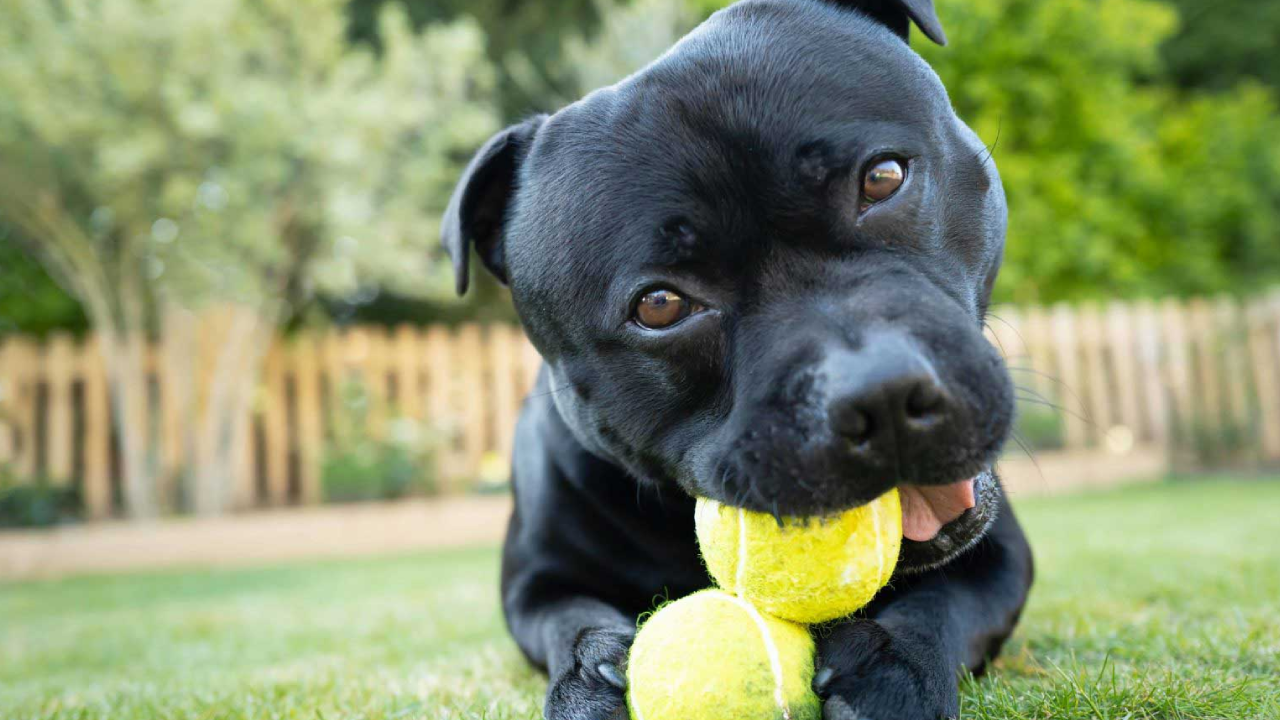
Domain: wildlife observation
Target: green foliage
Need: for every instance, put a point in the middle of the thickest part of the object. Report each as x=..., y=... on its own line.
x=1116, y=186
x=30, y=301
x=532, y=30
x=37, y=503
x=358, y=465
x=1221, y=42
x=629, y=36
x=236, y=149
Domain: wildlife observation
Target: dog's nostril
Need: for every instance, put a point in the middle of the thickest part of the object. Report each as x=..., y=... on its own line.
x=858, y=425
x=854, y=420
x=924, y=400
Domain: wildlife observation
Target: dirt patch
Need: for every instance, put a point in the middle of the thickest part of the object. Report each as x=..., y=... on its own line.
x=355, y=530
x=254, y=538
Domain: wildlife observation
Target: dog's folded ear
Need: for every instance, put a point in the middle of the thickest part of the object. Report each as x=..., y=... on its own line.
x=899, y=14
x=477, y=211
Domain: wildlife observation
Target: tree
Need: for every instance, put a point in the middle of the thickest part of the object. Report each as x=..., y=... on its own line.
x=532, y=29
x=29, y=300
x=165, y=160
x=1221, y=42
x=1117, y=185
x=627, y=38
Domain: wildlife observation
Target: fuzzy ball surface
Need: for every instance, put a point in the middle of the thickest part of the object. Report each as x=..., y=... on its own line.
x=712, y=656
x=809, y=570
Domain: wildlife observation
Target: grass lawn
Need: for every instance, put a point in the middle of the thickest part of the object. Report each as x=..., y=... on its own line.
x=1151, y=602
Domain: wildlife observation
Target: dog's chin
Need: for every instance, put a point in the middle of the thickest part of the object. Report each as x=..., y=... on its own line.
x=958, y=535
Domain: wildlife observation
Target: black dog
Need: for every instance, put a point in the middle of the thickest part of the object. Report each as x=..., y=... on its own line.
x=757, y=271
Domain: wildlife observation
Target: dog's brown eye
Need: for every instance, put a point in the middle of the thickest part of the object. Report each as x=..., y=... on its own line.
x=659, y=309
x=882, y=180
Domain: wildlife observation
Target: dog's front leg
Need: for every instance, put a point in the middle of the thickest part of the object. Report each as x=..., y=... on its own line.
x=901, y=658
x=585, y=642
x=586, y=552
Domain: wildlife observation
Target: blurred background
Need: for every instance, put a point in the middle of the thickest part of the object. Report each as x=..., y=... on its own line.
x=228, y=337
x=220, y=285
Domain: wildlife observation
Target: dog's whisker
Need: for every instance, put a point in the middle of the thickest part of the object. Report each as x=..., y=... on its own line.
x=1033, y=395
x=1051, y=378
x=1017, y=438
x=999, y=343
x=991, y=149
x=1053, y=406
x=1009, y=325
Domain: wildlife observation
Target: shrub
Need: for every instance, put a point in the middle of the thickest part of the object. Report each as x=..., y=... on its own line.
x=361, y=465
x=36, y=504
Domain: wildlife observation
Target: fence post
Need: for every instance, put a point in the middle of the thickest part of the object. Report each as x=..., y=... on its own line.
x=470, y=398
x=275, y=425
x=22, y=368
x=97, y=431
x=1146, y=322
x=374, y=371
x=176, y=400
x=436, y=345
x=1177, y=353
x=405, y=366
x=1068, y=357
x=1263, y=323
x=1039, y=341
x=244, y=476
x=308, y=410
x=1122, y=341
x=1097, y=389
x=1233, y=346
x=1208, y=379
x=60, y=376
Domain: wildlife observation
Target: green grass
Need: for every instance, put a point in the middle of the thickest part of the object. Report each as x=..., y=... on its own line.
x=1151, y=602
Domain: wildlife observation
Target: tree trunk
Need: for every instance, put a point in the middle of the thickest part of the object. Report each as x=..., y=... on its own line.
x=243, y=335
x=125, y=357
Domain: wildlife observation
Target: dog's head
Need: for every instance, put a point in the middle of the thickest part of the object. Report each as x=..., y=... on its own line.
x=758, y=267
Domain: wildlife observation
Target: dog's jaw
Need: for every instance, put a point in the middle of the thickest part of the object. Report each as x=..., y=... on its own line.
x=958, y=535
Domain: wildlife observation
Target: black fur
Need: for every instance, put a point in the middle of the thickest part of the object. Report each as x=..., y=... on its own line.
x=840, y=352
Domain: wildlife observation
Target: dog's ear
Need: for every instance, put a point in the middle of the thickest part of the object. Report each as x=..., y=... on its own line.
x=477, y=211
x=899, y=14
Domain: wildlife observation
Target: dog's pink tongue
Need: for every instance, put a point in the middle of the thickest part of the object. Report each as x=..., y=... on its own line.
x=926, y=509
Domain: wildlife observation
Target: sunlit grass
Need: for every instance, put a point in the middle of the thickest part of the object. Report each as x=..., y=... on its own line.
x=1151, y=602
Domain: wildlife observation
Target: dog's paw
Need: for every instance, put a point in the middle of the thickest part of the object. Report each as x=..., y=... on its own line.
x=865, y=673
x=595, y=687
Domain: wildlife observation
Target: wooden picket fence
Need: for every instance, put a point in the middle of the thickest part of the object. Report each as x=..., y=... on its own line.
x=1196, y=379
x=465, y=384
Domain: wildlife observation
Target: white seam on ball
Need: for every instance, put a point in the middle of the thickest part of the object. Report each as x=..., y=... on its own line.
x=740, y=574
x=875, y=526
x=770, y=649
x=635, y=706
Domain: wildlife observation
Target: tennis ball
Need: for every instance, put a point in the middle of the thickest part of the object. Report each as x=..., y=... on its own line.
x=712, y=656
x=804, y=570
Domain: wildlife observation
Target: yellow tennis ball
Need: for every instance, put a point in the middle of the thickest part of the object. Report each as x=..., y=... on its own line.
x=804, y=570
x=712, y=656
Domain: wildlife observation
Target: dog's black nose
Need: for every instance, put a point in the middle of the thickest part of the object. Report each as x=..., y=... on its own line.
x=883, y=396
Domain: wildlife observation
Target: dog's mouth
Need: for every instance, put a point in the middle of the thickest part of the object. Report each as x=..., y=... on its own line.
x=927, y=508
x=941, y=521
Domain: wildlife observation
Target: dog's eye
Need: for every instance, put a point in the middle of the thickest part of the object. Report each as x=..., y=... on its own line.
x=882, y=180
x=662, y=308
